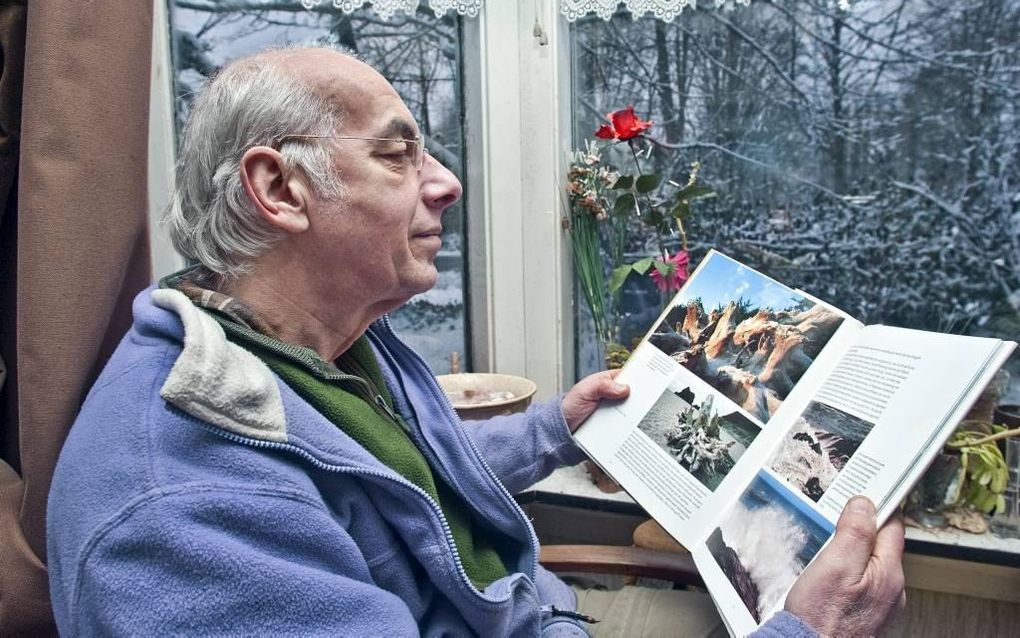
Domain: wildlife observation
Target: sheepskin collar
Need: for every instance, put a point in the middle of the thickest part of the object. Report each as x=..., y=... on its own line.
x=220, y=382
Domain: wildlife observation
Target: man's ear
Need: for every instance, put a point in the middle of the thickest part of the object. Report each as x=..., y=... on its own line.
x=281, y=197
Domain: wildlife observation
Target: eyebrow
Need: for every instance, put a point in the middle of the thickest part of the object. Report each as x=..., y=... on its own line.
x=398, y=127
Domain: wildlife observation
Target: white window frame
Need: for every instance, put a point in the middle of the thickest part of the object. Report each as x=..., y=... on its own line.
x=525, y=73
x=518, y=133
x=162, y=146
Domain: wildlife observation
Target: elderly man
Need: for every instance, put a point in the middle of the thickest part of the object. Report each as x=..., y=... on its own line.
x=262, y=455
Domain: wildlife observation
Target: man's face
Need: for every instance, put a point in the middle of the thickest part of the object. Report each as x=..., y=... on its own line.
x=384, y=231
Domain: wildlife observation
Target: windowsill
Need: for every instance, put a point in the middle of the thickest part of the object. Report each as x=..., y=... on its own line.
x=571, y=487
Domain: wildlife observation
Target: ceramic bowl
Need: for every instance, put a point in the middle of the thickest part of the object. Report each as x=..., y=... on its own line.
x=479, y=395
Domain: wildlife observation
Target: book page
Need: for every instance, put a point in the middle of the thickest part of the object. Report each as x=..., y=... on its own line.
x=710, y=386
x=877, y=419
x=881, y=414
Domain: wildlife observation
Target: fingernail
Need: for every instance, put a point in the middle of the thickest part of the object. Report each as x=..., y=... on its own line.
x=618, y=387
x=861, y=505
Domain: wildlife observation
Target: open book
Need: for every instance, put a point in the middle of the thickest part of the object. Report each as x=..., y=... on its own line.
x=757, y=411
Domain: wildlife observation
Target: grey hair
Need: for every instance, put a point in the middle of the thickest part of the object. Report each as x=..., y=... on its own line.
x=249, y=103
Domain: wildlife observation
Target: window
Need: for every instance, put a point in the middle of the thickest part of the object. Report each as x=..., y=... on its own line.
x=419, y=54
x=867, y=157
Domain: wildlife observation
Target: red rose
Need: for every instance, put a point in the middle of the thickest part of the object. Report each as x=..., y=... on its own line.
x=625, y=125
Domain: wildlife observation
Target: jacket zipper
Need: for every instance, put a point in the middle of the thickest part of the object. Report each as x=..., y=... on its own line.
x=437, y=391
x=552, y=610
x=342, y=469
x=301, y=355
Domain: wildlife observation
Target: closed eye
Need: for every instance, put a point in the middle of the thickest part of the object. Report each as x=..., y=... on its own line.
x=396, y=149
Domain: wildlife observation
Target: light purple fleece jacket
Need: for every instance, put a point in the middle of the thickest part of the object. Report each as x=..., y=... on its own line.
x=197, y=494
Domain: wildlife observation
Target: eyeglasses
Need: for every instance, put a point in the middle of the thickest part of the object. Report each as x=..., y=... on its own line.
x=414, y=149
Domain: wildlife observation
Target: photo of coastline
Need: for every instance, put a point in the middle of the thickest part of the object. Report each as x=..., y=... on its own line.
x=744, y=334
x=693, y=431
x=817, y=447
x=765, y=542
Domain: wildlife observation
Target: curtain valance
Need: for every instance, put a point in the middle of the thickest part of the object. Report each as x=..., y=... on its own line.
x=665, y=10
x=386, y=8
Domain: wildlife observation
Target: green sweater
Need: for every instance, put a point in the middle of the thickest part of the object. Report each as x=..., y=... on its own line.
x=353, y=395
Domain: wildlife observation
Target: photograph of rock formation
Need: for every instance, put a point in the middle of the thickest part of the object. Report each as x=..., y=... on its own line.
x=692, y=431
x=817, y=447
x=765, y=542
x=744, y=334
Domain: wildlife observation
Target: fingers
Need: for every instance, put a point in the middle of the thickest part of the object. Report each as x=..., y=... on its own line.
x=581, y=400
x=856, y=584
x=584, y=397
x=609, y=388
x=889, y=542
x=855, y=538
x=888, y=564
x=603, y=385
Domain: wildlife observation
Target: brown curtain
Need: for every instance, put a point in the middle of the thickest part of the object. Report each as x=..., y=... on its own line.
x=74, y=246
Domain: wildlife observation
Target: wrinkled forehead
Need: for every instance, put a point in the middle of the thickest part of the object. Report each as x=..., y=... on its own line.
x=368, y=104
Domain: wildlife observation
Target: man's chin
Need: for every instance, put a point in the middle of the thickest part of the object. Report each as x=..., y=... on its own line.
x=424, y=281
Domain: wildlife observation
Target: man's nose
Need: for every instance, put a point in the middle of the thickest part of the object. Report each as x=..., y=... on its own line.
x=440, y=187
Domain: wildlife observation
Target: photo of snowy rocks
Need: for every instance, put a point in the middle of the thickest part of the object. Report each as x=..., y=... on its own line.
x=691, y=429
x=817, y=447
x=765, y=542
x=744, y=334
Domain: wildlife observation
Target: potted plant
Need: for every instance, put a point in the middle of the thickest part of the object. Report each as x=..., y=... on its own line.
x=969, y=479
x=616, y=205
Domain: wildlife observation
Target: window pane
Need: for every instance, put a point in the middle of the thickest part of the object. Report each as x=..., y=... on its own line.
x=868, y=157
x=419, y=55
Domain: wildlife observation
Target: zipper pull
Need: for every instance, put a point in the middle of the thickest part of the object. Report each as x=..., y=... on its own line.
x=573, y=615
x=381, y=402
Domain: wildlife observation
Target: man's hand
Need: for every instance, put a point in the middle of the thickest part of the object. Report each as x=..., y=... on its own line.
x=856, y=584
x=583, y=398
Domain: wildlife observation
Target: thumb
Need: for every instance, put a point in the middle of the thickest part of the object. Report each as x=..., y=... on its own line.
x=854, y=540
x=584, y=397
x=609, y=388
x=601, y=385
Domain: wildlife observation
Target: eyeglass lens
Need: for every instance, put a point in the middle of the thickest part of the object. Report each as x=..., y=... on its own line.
x=419, y=152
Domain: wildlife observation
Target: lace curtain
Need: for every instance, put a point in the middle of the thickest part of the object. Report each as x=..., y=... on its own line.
x=386, y=8
x=665, y=10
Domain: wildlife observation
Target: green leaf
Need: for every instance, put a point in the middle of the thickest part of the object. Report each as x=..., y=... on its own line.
x=646, y=183
x=988, y=502
x=625, y=203
x=624, y=183
x=654, y=218
x=998, y=481
x=695, y=192
x=642, y=266
x=663, y=268
x=618, y=276
x=681, y=210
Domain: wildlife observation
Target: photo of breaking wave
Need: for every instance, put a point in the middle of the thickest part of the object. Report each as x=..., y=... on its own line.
x=691, y=430
x=765, y=542
x=818, y=446
x=744, y=334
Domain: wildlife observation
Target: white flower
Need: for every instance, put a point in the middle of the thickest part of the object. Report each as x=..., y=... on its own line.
x=591, y=154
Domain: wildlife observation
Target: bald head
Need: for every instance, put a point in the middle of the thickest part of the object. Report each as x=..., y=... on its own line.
x=252, y=102
x=335, y=77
